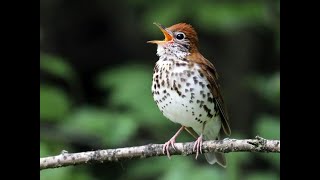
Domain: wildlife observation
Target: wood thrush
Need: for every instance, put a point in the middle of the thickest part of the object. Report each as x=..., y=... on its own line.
x=186, y=90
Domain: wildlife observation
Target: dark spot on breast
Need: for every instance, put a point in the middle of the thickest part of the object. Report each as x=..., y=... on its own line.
x=195, y=81
x=162, y=83
x=200, y=115
x=186, y=90
x=156, y=69
x=164, y=91
x=201, y=92
x=179, y=85
x=188, y=84
x=198, y=101
x=201, y=84
x=176, y=88
x=200, y=73
x=210, y=99
x=183, y=79
x=191, y=89
x=204, y=96
x=201, y=104
x=183, y=96
x=190, y=101
x=188, y=74
x=192, y=95
x=164, y=98
x=208, y=111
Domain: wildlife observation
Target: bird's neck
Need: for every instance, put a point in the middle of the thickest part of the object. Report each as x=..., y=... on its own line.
x=172, y=51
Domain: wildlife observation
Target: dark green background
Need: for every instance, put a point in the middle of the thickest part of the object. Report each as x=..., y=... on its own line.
x=95, y=83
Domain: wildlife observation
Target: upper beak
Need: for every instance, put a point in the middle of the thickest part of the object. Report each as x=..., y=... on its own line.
x=166, y=33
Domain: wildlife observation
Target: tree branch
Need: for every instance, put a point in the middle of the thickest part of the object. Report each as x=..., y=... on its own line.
x=99, y=156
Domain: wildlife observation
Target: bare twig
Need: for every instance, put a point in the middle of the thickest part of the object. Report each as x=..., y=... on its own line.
x=99, y=156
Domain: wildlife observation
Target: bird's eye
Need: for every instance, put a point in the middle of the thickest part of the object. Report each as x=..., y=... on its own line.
x=180, y=36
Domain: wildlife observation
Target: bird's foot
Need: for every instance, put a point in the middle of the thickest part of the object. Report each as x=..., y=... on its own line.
x=198, y=146
x=166, y=146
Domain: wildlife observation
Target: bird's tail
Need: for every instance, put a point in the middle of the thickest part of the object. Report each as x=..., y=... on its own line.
x=215, y=157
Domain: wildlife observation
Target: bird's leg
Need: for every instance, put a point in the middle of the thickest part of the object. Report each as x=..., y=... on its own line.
x=198, y=143
x=190, y=131
x=171, y=142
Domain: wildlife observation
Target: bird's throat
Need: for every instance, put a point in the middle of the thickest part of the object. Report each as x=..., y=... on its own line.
x=172, y=50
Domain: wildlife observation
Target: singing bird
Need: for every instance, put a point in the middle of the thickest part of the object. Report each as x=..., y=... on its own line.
x=185, y=88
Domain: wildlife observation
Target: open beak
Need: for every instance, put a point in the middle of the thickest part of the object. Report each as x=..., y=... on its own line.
x=167, y=35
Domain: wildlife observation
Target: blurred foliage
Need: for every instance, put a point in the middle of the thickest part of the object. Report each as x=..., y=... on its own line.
x=267, y=87
x=51, y=96
x=131, y=87
x=57, y=66
x=128, y=116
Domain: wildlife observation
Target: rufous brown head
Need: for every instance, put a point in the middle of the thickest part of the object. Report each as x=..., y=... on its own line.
x=180, y=34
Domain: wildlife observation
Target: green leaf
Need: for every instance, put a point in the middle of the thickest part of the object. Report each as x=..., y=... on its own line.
x=165, y=169
x=267, y=87
x=229, y=16
x=268, y=127
x=44, y=150
x=57, y=173
x=262, y=176
x=131, y=87
x=114, y=129
x=57, y=66
x=54, y=103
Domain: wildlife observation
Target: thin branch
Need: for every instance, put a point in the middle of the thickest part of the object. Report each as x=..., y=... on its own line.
x=99, y=156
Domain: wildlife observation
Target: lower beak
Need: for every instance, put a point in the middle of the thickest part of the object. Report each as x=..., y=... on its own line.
x=167, y=35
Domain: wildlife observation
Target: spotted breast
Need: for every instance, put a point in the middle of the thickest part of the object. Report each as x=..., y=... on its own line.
x=182, y=94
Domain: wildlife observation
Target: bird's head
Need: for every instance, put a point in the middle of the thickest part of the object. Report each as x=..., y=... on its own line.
x=179, y=40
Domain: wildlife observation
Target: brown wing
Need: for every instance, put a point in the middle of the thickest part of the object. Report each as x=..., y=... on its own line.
x=210, y=72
